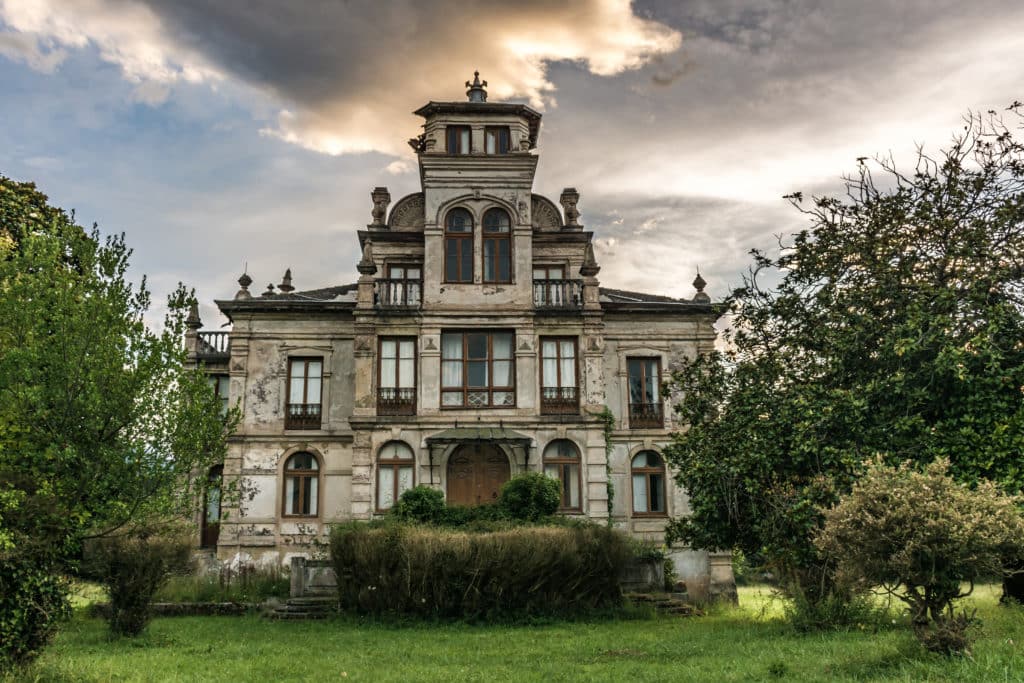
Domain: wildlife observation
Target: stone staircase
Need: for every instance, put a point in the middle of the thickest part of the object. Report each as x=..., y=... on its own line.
x=667, y=603
x=312, y=605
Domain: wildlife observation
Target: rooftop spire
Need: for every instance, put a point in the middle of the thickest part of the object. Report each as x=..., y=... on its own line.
x=476, y=92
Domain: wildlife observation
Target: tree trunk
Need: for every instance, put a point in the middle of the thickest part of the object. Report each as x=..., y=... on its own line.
x=1013, y=584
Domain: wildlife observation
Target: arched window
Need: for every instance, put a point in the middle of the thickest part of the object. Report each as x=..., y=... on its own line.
x=396, y=468
x=497, y=246
x=562, y=462
x=458, y=246
x=301, y=485
x=648, y=484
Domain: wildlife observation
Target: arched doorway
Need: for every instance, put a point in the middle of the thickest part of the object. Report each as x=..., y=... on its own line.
x=476, y=473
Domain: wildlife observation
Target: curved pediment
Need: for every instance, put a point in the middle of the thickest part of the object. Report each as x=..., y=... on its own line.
x=546, y=216
x=407, y=214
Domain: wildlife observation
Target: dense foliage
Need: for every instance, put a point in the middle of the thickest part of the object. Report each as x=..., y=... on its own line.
x=431, y=572
x=892, y=325
x=530, y=496
x=33, y=601
x=133, y=567
x=101, y=424
x=923, y=537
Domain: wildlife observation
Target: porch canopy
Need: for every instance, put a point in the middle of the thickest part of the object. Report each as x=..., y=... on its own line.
x=499, y=436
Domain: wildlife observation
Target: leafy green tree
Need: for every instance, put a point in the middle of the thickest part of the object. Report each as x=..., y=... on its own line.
x=892, y=325
x=922, y=537
x=101, y=421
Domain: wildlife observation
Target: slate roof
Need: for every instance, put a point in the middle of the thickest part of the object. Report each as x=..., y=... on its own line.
x=627, y=297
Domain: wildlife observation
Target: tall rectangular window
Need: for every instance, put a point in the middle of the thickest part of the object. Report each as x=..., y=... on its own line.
x=396, y=375
x=496, y=140
x=220, y=390
x=558, y=381
x=644, y=393
x=403, y=288
x=304, y=387
x=458, y=139
x=477, y=369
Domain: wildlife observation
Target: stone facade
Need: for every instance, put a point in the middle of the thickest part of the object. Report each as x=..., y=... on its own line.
x=524, y=281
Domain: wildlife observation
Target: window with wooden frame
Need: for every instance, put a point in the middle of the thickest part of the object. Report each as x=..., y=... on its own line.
x=220, y=384
x=477, y=369
x=497, y=246
x=648, y=470
x=458, y=139
x=403, y=287
x=458, y=246
x=303, y=399
x=562, y=463
x=549, y=286
x=644, y=393
x=396, y=473
x=301, y=485
x=559, y=394
x=396, y=376
x=496, y=140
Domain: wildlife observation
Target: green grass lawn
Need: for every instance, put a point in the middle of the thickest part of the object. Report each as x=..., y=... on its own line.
x=746, y=644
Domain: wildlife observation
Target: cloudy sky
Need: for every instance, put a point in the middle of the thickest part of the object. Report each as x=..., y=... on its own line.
x=217, y=133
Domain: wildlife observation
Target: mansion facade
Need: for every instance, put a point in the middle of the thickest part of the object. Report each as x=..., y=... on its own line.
x=476, y=344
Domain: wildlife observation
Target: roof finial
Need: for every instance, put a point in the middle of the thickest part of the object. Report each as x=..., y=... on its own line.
x=193, y=322
x=476, y=92
x=244, y=281
x=699, y=283
x=286, y=282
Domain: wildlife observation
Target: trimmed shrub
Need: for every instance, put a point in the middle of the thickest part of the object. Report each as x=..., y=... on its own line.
x=33, y=601
x=421, y=503
x=922, y=536
x=430, y=572
x=132, y=568
x=530, y=496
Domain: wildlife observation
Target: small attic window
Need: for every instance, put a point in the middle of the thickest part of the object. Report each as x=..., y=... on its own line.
x=496, y=140
x=458, y=139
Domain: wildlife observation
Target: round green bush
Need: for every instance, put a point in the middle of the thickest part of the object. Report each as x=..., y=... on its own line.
x=33, y=601
x=530, y=496
x=420, y=504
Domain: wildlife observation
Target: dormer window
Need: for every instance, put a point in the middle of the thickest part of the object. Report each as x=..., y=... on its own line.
x=458, y=246
x=458, y=139
x=496, y=140
x=497, y=246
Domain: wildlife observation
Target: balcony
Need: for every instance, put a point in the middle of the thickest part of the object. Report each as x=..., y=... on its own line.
x=398, y=295
x=302, y=416
x=558, y=295
x=213, y=345
x=646, y=416
x=396, y=401
x=559, y=401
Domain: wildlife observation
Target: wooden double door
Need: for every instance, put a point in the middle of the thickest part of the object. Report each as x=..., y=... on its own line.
x=476, y=473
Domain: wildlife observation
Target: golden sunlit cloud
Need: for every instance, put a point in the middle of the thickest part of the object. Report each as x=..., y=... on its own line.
x=371, y=70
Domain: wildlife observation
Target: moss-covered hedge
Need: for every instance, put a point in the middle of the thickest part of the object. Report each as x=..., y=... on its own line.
x=431, y=572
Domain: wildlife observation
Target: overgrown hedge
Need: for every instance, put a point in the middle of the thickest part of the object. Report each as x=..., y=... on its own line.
x=431, y=572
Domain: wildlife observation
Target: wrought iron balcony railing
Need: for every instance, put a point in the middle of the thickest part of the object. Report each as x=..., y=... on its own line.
x=559, y=401
x=558, y=294
x=392, y=401
x=302, y=416
x=646, y=416
x=398, y=294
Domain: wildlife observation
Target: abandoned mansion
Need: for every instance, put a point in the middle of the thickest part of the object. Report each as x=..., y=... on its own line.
x=477, y=344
